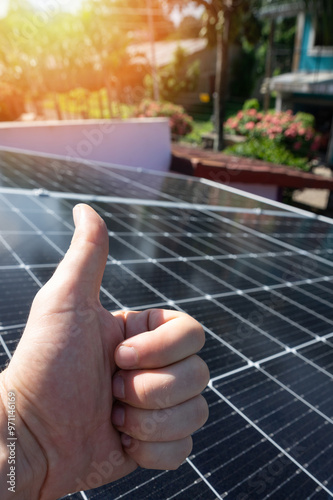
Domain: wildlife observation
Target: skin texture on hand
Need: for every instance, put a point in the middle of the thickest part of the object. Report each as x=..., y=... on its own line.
x=98, y=394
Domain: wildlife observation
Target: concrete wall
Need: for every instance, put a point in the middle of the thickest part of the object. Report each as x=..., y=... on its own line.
x=142, y=142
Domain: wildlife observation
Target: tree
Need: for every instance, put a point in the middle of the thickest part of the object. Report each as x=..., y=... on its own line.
x=178, y=76
x=190, y=27
x=225, y=22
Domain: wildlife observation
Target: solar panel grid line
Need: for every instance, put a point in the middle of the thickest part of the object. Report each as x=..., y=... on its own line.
x=297, y=396
x=268, y=438
x=313, y=265
x=112, y=297
x=251, y=477
x=204, y=271
x=147, y=285
x=195, y=224
x=38, y=231
x=311, y=295
x=276, y=313
x=246, y=321
x=231, y=372
x=203, y=478
x=232, y=459
x=269, y=238
x=309, y=362
x=4, y=345
x=303, y=307
x=12, y=327
x=295, y=211
x=138, y=184
x=293, y=430
x=181, y=279
x=20, y=261
x=222, y=341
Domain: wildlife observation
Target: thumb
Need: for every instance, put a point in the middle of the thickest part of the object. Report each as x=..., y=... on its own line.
x=81, y=271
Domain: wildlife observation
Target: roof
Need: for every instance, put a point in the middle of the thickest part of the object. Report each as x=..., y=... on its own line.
x=302, y=82
x=220, y=166
x=165, y=50
x=281, y=8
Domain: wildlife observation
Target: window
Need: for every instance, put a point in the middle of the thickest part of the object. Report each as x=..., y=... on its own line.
x=321, y=39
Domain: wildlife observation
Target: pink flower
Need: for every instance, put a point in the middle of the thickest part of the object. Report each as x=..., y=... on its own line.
x=309, y=135
x=250, y=125
x=297, y=145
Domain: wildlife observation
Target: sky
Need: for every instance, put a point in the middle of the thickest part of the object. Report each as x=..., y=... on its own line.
x=3, y=7
x=73, y=5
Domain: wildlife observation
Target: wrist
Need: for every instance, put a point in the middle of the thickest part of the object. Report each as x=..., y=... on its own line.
x=22, y=463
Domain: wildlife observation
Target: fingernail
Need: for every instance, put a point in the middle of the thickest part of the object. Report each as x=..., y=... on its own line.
x=127, y=357
x=118, y=387
x=118, y=415
x=126, y=440
x=77, y=214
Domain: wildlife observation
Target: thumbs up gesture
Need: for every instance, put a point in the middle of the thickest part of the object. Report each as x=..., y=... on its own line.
x=98, y=394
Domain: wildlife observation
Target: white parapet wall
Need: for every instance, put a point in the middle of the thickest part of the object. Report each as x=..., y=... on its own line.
x=141, y=142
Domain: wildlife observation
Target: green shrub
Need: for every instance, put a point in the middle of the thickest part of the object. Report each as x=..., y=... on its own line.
x=180, y=123
x=268, y=150
x=284, y=128
x=251, y=104
x=11, y=102
x=306, y=119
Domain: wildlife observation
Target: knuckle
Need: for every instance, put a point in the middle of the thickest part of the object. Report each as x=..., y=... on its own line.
x=202, y=372
x=184, y=450
x=202, y=411
x=146, y=392
x=200, y=334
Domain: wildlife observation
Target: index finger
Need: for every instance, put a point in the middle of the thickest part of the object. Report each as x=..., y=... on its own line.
x=157, y=338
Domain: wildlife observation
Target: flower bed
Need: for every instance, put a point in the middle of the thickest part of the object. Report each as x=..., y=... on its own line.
x=181, y=124
x=295, y=132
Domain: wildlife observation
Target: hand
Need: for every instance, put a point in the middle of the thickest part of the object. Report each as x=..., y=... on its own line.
x=99, y=394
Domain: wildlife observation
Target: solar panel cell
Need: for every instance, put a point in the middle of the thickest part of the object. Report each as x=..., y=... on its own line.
x=258, y=276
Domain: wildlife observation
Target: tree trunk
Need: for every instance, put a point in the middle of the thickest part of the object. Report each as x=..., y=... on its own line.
x=221, y=86
x=269, y=65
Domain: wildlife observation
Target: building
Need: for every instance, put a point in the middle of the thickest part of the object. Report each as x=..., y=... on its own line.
x=309, y=87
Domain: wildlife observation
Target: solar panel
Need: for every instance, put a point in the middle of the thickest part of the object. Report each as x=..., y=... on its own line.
x=258, y=275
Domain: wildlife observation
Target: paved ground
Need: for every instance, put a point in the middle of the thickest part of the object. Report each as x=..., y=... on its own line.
x=315, y=199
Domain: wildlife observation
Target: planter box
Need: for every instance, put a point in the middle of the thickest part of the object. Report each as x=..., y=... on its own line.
x=142, y=142
x=209, y=139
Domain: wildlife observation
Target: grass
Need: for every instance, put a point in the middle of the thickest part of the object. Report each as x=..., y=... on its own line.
x=199, y=128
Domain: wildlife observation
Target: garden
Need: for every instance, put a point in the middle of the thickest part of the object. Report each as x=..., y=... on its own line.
x=281, y=138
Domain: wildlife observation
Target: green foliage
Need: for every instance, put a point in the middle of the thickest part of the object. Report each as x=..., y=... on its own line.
x=11, y=102
x=243, y=65
x=180, y=123
x=177, y=77
x=199, y=128
x=275, y=137
x=268, y=150
x=251, y=104
x=306, y=119
x=285, y=128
